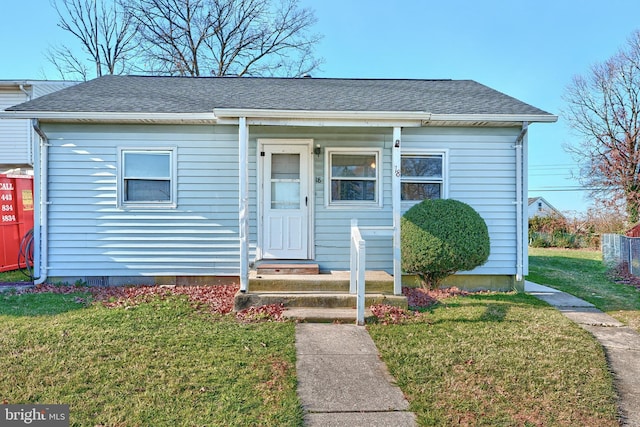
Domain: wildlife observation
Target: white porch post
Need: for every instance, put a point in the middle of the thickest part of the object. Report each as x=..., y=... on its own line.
x=243, y=209
x=395, y=194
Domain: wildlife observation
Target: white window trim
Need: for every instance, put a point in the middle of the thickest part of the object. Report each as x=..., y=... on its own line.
x=355, y=203
x=171, y=204
x=444, y=152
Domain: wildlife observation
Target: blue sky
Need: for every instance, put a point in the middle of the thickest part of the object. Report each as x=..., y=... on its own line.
x=529, y=49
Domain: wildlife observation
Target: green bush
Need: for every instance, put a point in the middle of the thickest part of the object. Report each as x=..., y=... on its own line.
x=440, y=237
x=539, y=240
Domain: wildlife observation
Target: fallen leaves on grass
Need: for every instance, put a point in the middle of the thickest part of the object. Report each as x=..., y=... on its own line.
x=620, y=274
x=423, y=298
x=391, y=315
x=417, y=298
x=215, y=298
x=262, y=313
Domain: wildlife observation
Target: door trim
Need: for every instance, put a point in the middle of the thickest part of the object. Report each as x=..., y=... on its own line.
x=308, y=143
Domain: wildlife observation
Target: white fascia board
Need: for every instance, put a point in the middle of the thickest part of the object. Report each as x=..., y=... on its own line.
x=327, y=122
x=58, y=116
x=531, y=118
x=316, y=115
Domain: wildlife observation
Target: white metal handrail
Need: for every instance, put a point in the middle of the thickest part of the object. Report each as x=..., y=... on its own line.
x=358, y=263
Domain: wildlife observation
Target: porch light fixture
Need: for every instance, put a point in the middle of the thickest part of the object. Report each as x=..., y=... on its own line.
x=317, y=150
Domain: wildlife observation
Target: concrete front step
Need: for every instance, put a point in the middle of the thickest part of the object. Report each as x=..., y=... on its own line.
x=334, y=281
x=323, y=315
x=313, y=299
x=287, y=269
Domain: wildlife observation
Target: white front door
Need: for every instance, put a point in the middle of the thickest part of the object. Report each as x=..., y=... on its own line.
x=285, y=207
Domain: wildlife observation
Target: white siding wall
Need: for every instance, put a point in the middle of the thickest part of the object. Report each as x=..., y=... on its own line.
x=332, y=224
x=482, y=174
x=17, y=136
x=41, y=88
x=14, y=134
x=90, y=236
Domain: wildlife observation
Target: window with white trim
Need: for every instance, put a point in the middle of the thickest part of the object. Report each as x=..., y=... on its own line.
x=147, y=178
x=422, y=176
x=354, y=177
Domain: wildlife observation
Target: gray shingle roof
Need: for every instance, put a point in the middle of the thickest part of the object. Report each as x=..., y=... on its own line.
x=134, y=94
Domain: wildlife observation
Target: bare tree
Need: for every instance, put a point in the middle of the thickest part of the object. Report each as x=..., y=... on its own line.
x=224, y=37
x=105, y=32
x=604, y=109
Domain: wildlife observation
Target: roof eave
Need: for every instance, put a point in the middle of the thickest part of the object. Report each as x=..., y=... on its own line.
x=110, y=117
x=474, y=118
x=420, y=118
x=280, y=117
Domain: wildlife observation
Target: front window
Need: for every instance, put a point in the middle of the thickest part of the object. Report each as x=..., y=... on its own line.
x=422, y=177
x=147, y=178
x=354, y=177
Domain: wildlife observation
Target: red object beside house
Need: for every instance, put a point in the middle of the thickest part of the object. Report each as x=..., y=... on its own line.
x=634, y=231
x=16, y=217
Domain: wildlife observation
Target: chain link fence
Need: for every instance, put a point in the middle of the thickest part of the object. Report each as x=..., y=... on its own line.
x=618, y=249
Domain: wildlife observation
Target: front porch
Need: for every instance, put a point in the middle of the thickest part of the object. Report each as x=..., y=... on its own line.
x=319, y=296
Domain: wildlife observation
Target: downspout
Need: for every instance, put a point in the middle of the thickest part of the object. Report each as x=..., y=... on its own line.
x=30, y=155
x=40, y=214
x=519, y=203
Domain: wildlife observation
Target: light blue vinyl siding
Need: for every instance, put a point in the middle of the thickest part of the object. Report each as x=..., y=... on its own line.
x=482, y=173
x=90, y=236
x=332, y=224
x=14, y=133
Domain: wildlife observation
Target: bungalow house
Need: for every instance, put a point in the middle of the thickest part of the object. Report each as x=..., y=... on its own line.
x=176, y=180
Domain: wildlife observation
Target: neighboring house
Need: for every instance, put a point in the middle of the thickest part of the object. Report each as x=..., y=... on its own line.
x=17, y=136
x=149, y=179
x=538, y=206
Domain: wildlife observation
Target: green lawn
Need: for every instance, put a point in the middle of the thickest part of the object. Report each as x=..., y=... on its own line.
x=489, y=359
x=157, y=363
x=14, y=276
x=499, y=360
x=582, y=273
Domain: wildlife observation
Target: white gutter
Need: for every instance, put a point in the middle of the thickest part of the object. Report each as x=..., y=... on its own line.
x=518, y=145
x=320, y=115
x=107, y=116
x=40, y=232
x=423, y=117
x=530, y=118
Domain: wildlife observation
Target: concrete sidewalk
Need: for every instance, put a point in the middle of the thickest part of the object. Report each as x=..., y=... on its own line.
x=343, y=382
x=621, y=345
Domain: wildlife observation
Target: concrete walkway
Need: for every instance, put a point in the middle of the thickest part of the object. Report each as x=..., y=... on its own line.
x=343, y=382
x=621, y=345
